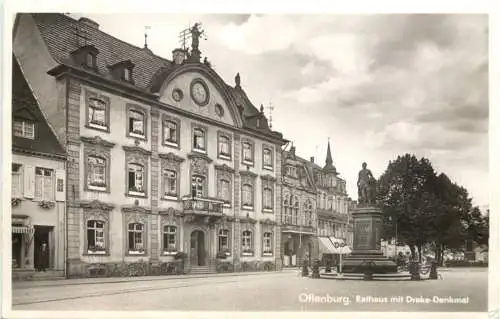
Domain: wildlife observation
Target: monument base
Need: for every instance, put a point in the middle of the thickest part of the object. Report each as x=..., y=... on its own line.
x=374, y=263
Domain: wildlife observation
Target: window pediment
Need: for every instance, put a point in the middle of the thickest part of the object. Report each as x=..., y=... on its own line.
x=196, y=156
x=97, y=205
x=135, y=209
x=268, y=178
x=248, y=174
x=97, y=140
x=267, y=221
x=136, y=150
x=224, y=168
x=171, y=158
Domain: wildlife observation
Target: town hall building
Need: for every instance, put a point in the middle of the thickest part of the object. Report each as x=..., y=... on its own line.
x=165, y=160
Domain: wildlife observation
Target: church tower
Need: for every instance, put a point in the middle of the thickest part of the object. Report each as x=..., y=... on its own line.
x=329, y=170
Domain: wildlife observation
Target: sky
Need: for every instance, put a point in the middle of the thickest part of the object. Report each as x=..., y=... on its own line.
x=377, y=86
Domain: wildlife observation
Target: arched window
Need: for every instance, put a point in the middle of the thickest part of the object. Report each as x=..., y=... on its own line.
x=136, y=238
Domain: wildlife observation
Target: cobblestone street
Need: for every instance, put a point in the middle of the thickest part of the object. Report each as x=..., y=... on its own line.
x=285, y=291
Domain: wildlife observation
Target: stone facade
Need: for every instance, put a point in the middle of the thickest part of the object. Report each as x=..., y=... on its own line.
x=144, y=178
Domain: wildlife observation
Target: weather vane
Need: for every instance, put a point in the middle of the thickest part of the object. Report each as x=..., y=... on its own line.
x=271, y=109
x=146, y=28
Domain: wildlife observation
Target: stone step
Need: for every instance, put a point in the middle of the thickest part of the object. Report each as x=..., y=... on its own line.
x=200, y=270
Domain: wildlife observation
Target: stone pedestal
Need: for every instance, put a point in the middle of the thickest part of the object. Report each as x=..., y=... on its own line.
x=366, y=255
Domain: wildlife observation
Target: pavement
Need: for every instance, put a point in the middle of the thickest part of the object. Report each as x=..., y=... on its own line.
x=273, y=291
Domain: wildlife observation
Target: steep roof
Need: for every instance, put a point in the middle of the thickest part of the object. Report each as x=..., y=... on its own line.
x=60, y=31
x=25, y=105
x=63, y=35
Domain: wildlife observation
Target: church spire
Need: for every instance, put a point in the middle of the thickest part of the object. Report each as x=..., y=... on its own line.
x=329, y=161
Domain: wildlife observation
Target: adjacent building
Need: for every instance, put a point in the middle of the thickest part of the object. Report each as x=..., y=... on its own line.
x=38, y=186
x=163, y=155
x=315, y=209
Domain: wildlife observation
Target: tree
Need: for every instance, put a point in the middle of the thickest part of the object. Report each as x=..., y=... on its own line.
x=404, y=192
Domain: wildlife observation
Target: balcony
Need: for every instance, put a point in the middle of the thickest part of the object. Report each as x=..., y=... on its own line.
x=207, y=211
x=332, y=214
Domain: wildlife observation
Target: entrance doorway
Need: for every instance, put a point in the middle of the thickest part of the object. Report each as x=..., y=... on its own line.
x=43, y=256
x=17, y=249
x=198, y=248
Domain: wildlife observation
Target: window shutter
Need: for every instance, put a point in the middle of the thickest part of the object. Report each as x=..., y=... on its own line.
x=60, y=185
x=29, y=181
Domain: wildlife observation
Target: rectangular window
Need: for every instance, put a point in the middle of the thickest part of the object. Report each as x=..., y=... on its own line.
x=267, y=244
x=170, y=183
x=291, y=171
x=23, y=129
x=60, y=185
x=126, y=74
x=224, y=147
x=97, y=114
x=169, y=239
x=197, y=186
x=44, y=184
x=136, y=179
x=247, y=195
x=136, y=125
x=223, y=239
x=90, y=60
x=17, y=181
x=268, y=159
x=268, y=198
x=199, y=140
x=95, y=237
x=246, y=241
x=170, y=133
x=247, y=153
x=136, y=238
x=225, y=191
x=96, y=173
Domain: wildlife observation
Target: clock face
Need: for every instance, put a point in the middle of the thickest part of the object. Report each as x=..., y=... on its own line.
x=199, y=93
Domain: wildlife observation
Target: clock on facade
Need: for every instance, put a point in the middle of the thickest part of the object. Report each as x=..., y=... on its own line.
x=199, y=92
x=177, y=95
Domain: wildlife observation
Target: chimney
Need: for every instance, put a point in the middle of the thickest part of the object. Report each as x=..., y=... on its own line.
x=178, y=56
x=89, y=22
x=312, y=159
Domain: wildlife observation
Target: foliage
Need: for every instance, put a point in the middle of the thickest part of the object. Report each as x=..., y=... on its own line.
x=224, y=266
x=427, y=209
x=465, y=263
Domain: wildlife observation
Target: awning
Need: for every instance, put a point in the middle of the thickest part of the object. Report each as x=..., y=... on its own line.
x=22, y=230
x=340, y=246
x=325, y=246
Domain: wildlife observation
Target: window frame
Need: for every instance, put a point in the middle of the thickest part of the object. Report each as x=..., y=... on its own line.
x=220, y=191
x=270, y=209
x=204, y=190
x=105, y=240
x=143, y=236
x=90, y=95
x=271, y=155
x=19, y=173
x=193, y=136
x=252, y=195
x=143, y=172
x=52, y=177
x=166, y=118
x=221, y=235
x=165, y=183
x=133, y=108
x=249, y=238
x=271, y=243
x=24, y=123
x=165, y=245
x=251, y=145
x=220, y=136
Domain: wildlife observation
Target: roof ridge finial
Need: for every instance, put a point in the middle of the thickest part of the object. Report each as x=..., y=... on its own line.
x=146, y=28
x=237, y=80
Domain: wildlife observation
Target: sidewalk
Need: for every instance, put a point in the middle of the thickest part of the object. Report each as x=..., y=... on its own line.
x=108, y=280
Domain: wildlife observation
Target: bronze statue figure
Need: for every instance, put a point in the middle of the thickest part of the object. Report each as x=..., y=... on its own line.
x=366, y=186
x=196, y=33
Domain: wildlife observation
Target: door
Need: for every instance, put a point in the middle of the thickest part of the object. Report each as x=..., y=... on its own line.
x=198, y=248
x=17, y=250
x=42, y=237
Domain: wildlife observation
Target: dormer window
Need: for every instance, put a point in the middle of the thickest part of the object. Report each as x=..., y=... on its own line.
x=24, y=128
x=86, y=56
x=90, y=61
x=126, y=74
x=122, y=70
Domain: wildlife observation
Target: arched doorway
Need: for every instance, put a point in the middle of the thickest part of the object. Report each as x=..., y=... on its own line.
x=198, y=248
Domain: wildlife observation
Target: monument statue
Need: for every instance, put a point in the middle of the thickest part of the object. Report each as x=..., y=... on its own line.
x=366, y=186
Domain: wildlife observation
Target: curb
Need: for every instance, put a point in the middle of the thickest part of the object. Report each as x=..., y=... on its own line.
x=90, y=281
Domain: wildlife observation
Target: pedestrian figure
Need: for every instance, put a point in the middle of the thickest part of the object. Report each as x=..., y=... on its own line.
x=43, y=257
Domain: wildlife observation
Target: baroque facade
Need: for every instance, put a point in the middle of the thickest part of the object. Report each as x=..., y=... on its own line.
x=37, y=193
x=163, y=156
x=315, y=205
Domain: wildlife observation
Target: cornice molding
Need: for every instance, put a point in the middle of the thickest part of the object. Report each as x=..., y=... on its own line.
x=193, y=155
x=224, y=168
x=248, y=173
x=96, y=204
x=268, y=177
x=135, y=209
x=171, y=157
x=136, y=149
